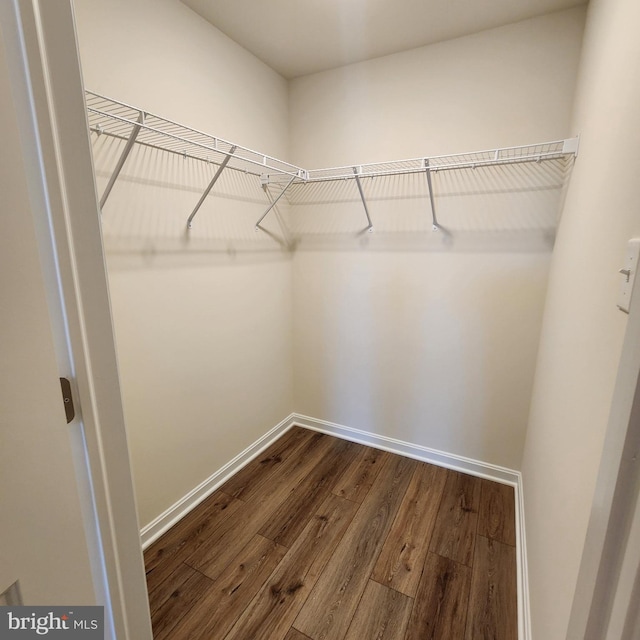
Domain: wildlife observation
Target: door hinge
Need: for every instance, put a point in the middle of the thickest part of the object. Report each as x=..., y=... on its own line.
x=67, y=398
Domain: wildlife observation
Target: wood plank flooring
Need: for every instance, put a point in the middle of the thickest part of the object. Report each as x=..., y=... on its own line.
x=323, y=539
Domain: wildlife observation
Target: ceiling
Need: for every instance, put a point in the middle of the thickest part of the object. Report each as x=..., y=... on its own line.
x=298, y=37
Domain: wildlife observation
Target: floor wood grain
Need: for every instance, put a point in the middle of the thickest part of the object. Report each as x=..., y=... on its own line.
x=233, y=591
x=497, y=517
x=272, y=612
x=251, y=478
x=440, y=607
x=382, y=614
x=193, y=531
x=457, y=520
x=357, y=480
x=227, y=541
x=294, y=634
x=492, y=599
x=405, y=550
x=169, y=615
x=288, y=521
x=330, y=608
x=323, y=539
x=169, y=586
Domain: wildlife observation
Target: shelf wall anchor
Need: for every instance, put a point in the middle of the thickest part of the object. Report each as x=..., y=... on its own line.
x=221, y=168
x=364, y=201
x=123, y=158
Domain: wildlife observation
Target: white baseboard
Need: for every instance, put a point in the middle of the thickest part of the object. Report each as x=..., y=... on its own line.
x=151, y=532
x=173, y=514
x=416, y=451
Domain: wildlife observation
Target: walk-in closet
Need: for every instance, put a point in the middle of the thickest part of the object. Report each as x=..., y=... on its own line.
x=364, y=264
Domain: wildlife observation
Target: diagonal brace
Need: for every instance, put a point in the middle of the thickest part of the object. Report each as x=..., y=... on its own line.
x=123, y=158
x=434, y=220
x=221, y=168
x=364, y=202
x=273, y=204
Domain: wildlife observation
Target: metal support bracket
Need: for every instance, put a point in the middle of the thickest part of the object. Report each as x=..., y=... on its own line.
x=434, y=220
x=123, y=158
x=273, y=204
x=364, y=201
x=221, y=168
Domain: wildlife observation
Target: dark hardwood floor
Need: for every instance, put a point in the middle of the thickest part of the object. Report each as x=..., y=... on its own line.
x=323, y=539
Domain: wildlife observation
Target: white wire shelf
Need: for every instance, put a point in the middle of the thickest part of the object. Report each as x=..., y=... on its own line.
x=554, y=150
x=118, y=119
x=133, y=125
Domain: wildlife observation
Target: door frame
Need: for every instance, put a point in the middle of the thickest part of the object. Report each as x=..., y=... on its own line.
x=610, y=533
x=47, y=88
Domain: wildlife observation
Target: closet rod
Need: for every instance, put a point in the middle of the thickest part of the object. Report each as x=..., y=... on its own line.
x=364, y=201
x=221, y=168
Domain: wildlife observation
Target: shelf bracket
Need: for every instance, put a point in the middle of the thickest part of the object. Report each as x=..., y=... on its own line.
x=221, y=168
x=123, y=158
x=434, y=221
x=273, y=204
x=364, y=201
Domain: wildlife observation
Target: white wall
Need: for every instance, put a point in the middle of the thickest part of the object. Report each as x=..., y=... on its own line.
x=203, y=321
x=507, y=86
x=582, y=330
x=431, y=339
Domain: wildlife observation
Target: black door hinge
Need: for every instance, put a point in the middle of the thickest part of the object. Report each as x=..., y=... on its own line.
x=67, y=398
